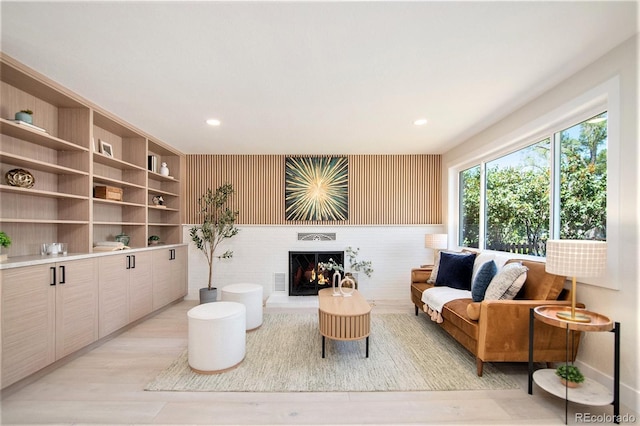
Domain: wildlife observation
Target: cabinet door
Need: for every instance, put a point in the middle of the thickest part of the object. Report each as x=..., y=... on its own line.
x=178, y=271
x=76, y=305
x=141, y=285
x=28, y=321
x=162, y=290
x=113, y=285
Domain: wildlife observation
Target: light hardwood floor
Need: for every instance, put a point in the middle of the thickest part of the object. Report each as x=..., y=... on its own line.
x=105, y=386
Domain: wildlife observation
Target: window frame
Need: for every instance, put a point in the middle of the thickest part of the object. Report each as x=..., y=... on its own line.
x=604, y=97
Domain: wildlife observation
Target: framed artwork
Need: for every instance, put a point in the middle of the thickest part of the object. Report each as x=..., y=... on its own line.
x=106, y=148
x=316, y=188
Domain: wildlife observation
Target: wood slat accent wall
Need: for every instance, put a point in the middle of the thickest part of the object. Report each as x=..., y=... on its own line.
x=383, y=189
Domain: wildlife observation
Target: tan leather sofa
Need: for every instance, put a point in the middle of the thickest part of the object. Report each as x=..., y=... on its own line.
x=498, y=330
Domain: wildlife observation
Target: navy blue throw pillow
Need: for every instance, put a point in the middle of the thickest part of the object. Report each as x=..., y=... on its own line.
x=455, y=270
x=485, y=274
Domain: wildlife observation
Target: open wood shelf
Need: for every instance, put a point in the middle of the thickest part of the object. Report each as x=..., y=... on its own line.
x=37, y=137
x=40, y=193
x=67, y=163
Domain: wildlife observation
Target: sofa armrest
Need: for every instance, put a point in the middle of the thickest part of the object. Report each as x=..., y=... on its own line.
x=503, y=327
x=421, y=275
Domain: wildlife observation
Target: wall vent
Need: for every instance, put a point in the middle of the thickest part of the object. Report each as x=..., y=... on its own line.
x=279, y=282
x=316, y=236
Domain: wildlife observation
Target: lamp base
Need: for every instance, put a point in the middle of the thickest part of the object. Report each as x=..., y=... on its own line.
x=566, y=315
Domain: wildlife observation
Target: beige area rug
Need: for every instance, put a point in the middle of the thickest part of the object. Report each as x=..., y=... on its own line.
x=406, y=353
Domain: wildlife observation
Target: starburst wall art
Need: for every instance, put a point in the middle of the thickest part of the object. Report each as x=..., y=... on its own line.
x=316, y=188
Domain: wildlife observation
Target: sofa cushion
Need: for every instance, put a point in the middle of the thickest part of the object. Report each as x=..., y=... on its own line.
x=436, y=265
x=455, y=313
x=483, y=279
x=507, y=283
x=455, y=270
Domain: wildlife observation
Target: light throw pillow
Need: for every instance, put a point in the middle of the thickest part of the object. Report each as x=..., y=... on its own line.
x=455, y=270
x=483, y=278
x=507, y=283
x=436, y=266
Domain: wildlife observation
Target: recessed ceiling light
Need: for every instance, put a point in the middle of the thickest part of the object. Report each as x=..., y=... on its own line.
x=420, y=122
x=213, y=122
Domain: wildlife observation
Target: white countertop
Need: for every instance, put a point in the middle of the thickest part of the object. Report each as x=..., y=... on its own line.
x=20, y=261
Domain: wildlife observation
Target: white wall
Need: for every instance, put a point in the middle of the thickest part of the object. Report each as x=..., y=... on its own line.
x=260, y=251
x=620, y=303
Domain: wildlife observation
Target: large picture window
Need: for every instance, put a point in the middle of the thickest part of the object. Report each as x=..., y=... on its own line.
x=583, y=180
x=470, y=207
x=512, y=204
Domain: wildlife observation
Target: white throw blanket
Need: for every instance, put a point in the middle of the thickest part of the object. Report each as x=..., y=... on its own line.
x=436, y=297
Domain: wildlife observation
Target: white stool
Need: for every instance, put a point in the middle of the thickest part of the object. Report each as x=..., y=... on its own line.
x=250, y=295
x=217, y=336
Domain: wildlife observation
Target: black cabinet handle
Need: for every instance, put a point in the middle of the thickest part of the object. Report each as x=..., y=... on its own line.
x=172, y=254
x=128, y=262
x=53, y=275
x=133, y=256
x=62, y=275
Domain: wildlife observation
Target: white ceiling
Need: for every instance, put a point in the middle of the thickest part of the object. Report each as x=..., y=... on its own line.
x=312, y=77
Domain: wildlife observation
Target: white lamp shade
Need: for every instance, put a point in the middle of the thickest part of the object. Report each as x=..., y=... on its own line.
x=576, y=258
x=436, y=241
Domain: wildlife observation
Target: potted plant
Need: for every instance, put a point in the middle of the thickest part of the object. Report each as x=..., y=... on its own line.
x=25, y=115
x=5, y=242
x=363, y=265
x=355, y=265
x=154, y=240
x=218, y=224
x=569, y=375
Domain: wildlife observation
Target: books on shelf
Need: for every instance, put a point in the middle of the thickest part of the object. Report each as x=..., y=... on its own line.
x=153, y=163
x=110, y=246
x=31, y=126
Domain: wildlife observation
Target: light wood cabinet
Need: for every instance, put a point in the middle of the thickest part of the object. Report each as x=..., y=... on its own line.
x=51, y=310
x=125, y=289
x=141, y=285
x=67, y=162
x=169, y=275
x=76, y=305
x=48, y=312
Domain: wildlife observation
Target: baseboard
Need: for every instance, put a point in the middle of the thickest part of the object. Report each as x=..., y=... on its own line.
x=629, y=397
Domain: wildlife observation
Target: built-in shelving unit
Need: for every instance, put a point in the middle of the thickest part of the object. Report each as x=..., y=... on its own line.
x=68, y=162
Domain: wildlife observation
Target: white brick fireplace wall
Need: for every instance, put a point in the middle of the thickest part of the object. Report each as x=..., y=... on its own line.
x=261, y=251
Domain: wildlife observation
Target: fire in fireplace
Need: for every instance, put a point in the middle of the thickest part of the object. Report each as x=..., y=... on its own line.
x=305, y=277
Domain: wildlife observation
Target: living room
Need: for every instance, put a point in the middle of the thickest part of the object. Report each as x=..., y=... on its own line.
x=391, y=213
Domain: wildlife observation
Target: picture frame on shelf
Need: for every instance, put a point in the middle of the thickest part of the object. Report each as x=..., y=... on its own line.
x=106, y=148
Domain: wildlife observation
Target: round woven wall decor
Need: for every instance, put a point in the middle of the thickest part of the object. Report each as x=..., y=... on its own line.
x=20, y=177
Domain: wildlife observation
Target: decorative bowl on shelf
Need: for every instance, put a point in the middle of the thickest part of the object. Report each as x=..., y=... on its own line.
x=20, y=177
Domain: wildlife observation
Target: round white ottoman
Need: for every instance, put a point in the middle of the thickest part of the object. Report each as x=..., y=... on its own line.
x=250, y=295
x=217, y=336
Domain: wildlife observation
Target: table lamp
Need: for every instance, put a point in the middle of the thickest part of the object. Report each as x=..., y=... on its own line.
x=435, y=242
x=576, y=258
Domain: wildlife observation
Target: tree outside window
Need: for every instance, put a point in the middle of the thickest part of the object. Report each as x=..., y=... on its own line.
x=583, y=180
x=517, y=200
x=470, y=207
x=518, y=212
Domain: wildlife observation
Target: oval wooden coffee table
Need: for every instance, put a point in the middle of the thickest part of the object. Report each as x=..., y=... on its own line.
x=344, y=318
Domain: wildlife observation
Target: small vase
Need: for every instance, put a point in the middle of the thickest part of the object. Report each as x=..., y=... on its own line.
x=164, y=170
x=335, y=283
x=352, y=278
x=347, y=286
x=23, y=116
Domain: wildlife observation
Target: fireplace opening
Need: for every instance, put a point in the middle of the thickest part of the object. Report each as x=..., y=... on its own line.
x=305, y=277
